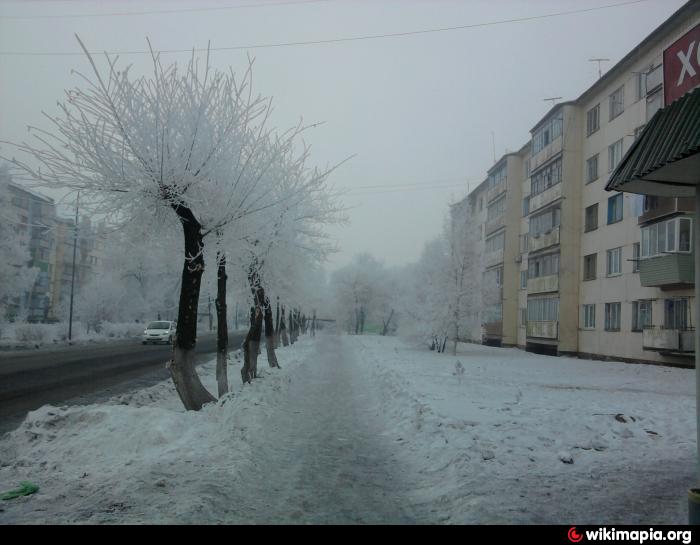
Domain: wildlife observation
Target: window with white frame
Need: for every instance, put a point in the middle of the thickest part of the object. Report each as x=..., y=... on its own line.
x=614, y=154
x=670, y=236
x=636, y=254
x=547, y=133
x=615, y=204
x=612, y=316
x=588, y=316
x=546, y=221
x=592, y=169
x=617, y=102
x=640, y=85
x=543, y=309
x=641, y=315
x=593, y=120
x=614, y=262
x=545, y=178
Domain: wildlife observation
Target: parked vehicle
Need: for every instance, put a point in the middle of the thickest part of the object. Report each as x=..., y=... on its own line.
x=159, y=332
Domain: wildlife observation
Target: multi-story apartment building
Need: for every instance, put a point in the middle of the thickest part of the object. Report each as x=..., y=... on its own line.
x=35, y=215
x=594, y=273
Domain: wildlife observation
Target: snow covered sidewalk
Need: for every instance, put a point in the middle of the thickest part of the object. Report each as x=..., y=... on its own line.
x=524, y=438
x=303, y=444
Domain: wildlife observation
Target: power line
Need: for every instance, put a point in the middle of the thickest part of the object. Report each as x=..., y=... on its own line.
x=162, y=11
x=335, y=40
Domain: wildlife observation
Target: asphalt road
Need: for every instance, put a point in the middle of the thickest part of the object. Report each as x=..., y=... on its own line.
x=84, y=374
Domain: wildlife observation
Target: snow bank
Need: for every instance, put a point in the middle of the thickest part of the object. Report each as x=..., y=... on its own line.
x=140, y=457
x=529, y=438
x=20, y=335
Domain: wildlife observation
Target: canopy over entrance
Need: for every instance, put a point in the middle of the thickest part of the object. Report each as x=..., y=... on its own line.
x=665, y=158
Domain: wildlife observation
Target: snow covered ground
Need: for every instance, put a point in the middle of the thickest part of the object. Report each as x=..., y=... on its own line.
x=370, y=429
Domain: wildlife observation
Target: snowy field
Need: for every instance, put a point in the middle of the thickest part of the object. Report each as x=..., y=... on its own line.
x=370, y=429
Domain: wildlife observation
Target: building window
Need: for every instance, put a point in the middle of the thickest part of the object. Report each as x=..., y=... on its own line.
x=546, y=178
x=527, y=168
x=617, y=103
x=614, y=261
x=495, y=243
x=547, y=133
x=641, y=315
x=615, y=208
x=654, y=78
x=544, y=309
x=496, y=209
x=614, y=154
x=592, y=169
x=612, y=316
x=543, y=223
x=640, y=85
x=655, y=101
x=638, y=131
x=590, y=266
x=636, y=251
x=591, y=218
x=676, y=313
x=546, y=265
x=526, y=206
x=671, y=236
x=523, y=280
x=524, y=243
x=593, y=120
x=498, y=177
x=523, y=317
x=588, y=316
x=481, y=204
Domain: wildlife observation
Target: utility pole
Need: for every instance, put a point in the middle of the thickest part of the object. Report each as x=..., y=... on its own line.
x=72, y=277
x=600, y=71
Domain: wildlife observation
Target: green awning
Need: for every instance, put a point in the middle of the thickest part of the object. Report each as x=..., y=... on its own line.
x=665, y=159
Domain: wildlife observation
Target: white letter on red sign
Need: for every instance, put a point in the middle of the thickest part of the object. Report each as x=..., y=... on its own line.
x=685, y=61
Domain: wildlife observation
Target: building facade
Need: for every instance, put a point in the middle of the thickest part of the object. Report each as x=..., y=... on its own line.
x=584, y=271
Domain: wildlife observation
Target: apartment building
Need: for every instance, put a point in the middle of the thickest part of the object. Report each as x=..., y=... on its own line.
x=593, y=273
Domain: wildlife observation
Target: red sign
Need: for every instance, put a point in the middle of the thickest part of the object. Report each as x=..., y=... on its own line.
x=682, y=65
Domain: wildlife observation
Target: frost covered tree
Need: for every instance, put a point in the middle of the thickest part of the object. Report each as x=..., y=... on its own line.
x=186, y=142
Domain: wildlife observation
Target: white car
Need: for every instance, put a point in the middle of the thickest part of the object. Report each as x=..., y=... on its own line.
x=159, y=332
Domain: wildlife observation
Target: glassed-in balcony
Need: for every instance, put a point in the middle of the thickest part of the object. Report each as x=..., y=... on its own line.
x=544, y=240
x=543, y=329
x=543, y=284
x=680, y=341
x=668, y=270
x=547, y=196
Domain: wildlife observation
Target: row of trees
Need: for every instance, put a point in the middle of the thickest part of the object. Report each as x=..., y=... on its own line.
x=191, y=149
x=441, y=297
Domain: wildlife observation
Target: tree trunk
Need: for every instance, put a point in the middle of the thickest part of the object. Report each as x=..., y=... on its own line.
x=385, y=329
x=251, y=347
x=283, y=330
x=270, y=336
x=182, y=367
x=221, y=327
x=276, y=336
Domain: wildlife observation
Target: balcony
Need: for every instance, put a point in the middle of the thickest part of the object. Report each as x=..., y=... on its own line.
x=679, y=341
x=547, y=196
x=543, y=330
x=543, y=284
x=544, y=240
x=667, y=271
x=494, y=224
x=495, y=191
x=664, y=206
x=493, y=258
x=545, y=154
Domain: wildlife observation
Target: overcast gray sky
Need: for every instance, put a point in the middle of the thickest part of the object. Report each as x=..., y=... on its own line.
x=418, y=110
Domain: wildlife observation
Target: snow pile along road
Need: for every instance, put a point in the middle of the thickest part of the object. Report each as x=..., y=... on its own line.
x=525, y=438
x=141, y=457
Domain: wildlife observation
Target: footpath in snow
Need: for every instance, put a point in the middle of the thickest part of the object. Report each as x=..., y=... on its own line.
x=371, y=430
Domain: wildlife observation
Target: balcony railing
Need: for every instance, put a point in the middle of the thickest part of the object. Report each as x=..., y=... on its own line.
x=494, y=224
x=545, y=154
x=680, y=341
x=543, y=329
x=543, y=284
x=667, y=270
x=547, y=196
x=493, y=258
x=544, y=240
x=495, y=191
x=665, y=206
